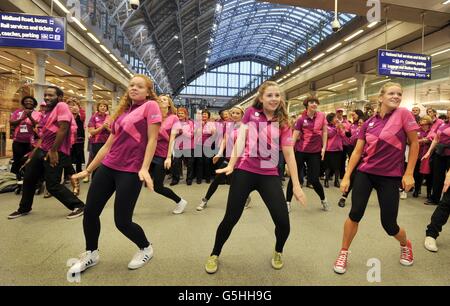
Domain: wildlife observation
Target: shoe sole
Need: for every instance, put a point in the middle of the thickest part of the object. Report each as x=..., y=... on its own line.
x=75, y=216
x=211, y=271
x=199, y=209
x=406, y=264
x=140, y=266
x=276, y=267
x=18, y=216
x=339, y=271
x=434, y=250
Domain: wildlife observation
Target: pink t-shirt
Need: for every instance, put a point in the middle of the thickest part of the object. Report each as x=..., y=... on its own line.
x=423, y=147
x=263, y=142
x=354, y=130
x=444, y=137
x=61, y=113
x=24, y=131
x=433, y=130
x=131, y=136
x=97, y=121
x=311, y=130
x=335, y=138
x=231, y=132
x=185, y=138
x=384, y=152
x=164, y=135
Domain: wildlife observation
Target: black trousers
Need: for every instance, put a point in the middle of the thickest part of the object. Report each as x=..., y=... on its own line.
x=313, y=164
x=269, y=187
x=20, y=149
x=95, y=148
x=333, y=164
x=418, y=178
x=177, y=165
x=388, y=199
x=127, y=187
x=52, y=176
x=218, y=179
x=158, y=173
x=440, y=165
x=439, y=217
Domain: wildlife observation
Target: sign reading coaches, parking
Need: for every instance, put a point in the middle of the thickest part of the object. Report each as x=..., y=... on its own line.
x=31, y=31
x=404, y=65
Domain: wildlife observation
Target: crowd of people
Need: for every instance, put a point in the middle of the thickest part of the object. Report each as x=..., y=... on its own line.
x=387, y=148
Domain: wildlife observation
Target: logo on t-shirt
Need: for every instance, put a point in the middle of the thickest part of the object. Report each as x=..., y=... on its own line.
x=371, y=124
x=256, y=114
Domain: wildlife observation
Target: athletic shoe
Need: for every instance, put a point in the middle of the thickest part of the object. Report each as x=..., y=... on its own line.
x=202, y=204
x=406, y=254
x=17, y=214
x=325, y=205
x=277, y=262
x=247, y=203
x=212, y=264
x=87, y=260
x=430, y=244
x=403, y=195
x=180, y=207
x=341, y=202
x=340, y=266
x=77, y=212
x=141, y=258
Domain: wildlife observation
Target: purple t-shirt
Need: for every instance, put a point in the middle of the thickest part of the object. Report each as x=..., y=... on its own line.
x=24, y=131
x=263, y=142
x=311, y=130
x=354, y=130
x=444, y=137
x=61, y=113
x=97, y=121
x=384, y=152
x=335, y=138
x=164, y=135
x=185, y=138
x=433, y=130
x=131, y=136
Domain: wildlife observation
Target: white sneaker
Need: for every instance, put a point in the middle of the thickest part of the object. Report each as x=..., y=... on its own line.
x=403, y=195
x=288, y=206
x=247, y=203
x=430, y=244
x=180, y=207
x=325, y=205
x=87, y=259
x=202, y=204
x=141, y=258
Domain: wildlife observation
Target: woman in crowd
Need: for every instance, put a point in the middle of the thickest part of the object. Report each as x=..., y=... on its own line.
x=183, y=149
x=333, y=154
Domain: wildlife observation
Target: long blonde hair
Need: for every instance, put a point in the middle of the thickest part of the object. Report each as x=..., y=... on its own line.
x=172, y=108
x=383, y=90
x=281, y=111
x=125, y=101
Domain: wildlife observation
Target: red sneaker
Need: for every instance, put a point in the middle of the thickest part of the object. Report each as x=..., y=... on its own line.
x=340, y=266
x=406, y=254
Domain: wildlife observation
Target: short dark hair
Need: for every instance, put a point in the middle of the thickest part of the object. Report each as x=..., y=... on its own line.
x=205, y=111
x=29, y=97
x=310, y=99
x=58, y=90
x=360, y=114
x=330, y=117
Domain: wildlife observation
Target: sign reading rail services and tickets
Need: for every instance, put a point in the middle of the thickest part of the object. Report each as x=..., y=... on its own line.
x=31, y=31
x=404, y=65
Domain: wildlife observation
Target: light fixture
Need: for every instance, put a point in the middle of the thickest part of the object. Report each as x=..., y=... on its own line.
x=372, y=24
x=61, y=6
x=79, y=24
x=318, y=56
x=334, y=47
x=180, y=62
x=436, y=65
x=27, y=66
x=105, y=49
x=295, y=70
x=113, y=57
x=279, y=80
x=6, y=58
x=354, y=35
x=353, y=89
x=176, y=37
x=93, y=37
x=351, y=81
x=446, y=2
x=63, y=70
x=47, y=62
x=305, y=64
x=440, y=52
x=382, y=81
x=98, y=87
x=335, y=86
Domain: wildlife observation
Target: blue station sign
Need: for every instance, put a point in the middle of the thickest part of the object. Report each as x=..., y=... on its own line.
x=31, y=31
x=404, y=65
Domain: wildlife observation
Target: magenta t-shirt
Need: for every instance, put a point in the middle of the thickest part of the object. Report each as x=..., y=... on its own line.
x=185, y=138
x=61, y=113
x=310, y=140
x=384, y=152
x=164, y=135
x=423, y=147
x=24, y=131
x=444, y=137
x=263, y=142
x=354, y=130
x=97, y=121
x=335, y=138
x=433, y=130
x=130, y=132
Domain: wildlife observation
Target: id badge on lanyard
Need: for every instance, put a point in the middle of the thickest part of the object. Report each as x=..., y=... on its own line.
x=23, y=128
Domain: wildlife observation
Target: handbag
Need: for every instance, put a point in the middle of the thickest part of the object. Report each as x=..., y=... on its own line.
x=425, y=166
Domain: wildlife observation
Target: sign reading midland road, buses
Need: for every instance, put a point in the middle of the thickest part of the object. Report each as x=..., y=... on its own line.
x=404, y=65
x=31, y=31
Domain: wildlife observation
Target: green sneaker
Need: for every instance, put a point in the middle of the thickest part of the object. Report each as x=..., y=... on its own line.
x=277, y=262
x=212, y=264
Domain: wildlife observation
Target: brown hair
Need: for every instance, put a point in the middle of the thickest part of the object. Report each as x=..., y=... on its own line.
x=185, y=111
x=102, y=103
x=280, y=112
x=310, y=99
x=172, y=109
x=125, y=101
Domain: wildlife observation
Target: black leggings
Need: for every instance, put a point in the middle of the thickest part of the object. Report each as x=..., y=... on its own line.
x=158, y=173
x=217, y=180
x=439, y=217
x=270, y=189
x=127, y=187
x=418, y=178
x=313, y=164
x=388, y=199
x=440, y=166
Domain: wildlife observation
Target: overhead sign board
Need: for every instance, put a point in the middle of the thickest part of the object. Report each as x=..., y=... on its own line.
x=31, y=31
x=404, y=65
